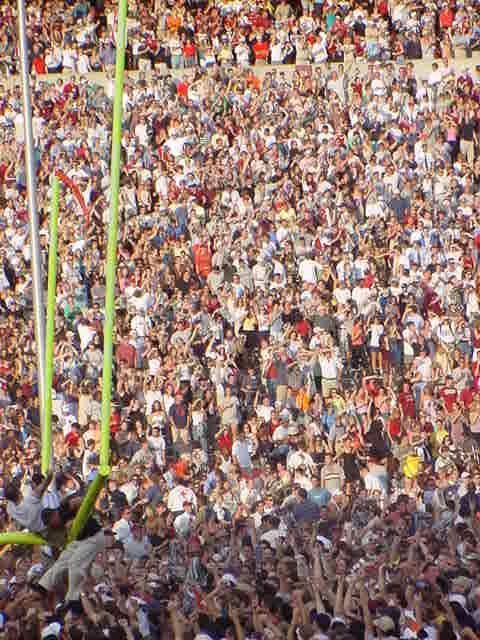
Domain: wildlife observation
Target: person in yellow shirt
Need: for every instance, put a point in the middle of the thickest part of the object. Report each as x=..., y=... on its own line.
x=303, y=398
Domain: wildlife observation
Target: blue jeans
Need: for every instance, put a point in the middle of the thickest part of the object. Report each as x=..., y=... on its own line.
x=177, y=61
x=417, y=392
x=396, y=351
x=280, y=451
x=272, y=389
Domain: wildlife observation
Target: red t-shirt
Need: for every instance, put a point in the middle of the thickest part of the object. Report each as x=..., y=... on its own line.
x=468, y=263
x=446, y=19
x=203, y=259
x=368, y=280
x=383, y=8
x=467, y=396
x=39, y=65
x=72, y=439
x=394, y=427
x=407, y=403
x=182, y=89
x=303, y=328
x=449, y=396
x=189, y=50
x=260, y=49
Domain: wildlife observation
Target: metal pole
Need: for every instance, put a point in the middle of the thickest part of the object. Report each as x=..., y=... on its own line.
x=38, y=310
x=86, y=507
x=112, y=240
x=50, y=330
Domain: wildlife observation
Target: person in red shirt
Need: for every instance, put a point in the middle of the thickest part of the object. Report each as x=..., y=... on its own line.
x=261, y=50
x=394, y=426
x=189, y=54
x=304, y=328
x=466, y=396
x=38, y=63
x=407, y=401
x=449, y=395
x=182, y=89
x=202, y=257
x=468, y=261
x=446, y=17
x=383, y=8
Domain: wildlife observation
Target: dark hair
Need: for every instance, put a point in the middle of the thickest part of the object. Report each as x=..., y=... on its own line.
x=37, y=479
x=446, y=631
x=12, y=492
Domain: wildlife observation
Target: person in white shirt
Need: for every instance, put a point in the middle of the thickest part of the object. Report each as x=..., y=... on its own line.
x=53, y=60
x=86, y=333
x=330, y=368
x=26, y=509
x=184, y=522
x=156, y=442
x=90, y=459
x=342, y=294
x=122, y=528
x=84, y=65
x=297, y=458
x=241, y=452
x=434, y=80
x=361, y=297
x=137, y=546
x=178, y=495
x=69, y=59
x=422, y=374
x=375, y=333
x=375, y=478
x=130, y=489
x=307, y=270
x=265, y=410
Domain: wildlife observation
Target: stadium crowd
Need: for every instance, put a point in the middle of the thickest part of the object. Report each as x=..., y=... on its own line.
x=296, y=383
x=79, y=35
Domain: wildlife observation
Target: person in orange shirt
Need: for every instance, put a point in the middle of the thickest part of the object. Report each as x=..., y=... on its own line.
x=303, y=398
x=181, y=468
x=174, y=22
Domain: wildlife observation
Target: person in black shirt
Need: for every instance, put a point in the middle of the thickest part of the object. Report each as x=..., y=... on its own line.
x=76, y=558
x=114, y=501
x=468, y=138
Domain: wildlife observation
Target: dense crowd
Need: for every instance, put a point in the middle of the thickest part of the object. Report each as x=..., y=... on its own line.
x=79, y=35
x=296, y=383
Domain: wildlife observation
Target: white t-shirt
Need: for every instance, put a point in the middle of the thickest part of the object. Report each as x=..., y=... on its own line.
x=122, y=530
x=280, y=433
x=264, y=412
x=28, y=513
x=342, y=295
x=361, y=296
x=376, y=331
x=178, y=496
x=241, y=453
x=86, y=335
x=308, y=271
x=424, y=368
